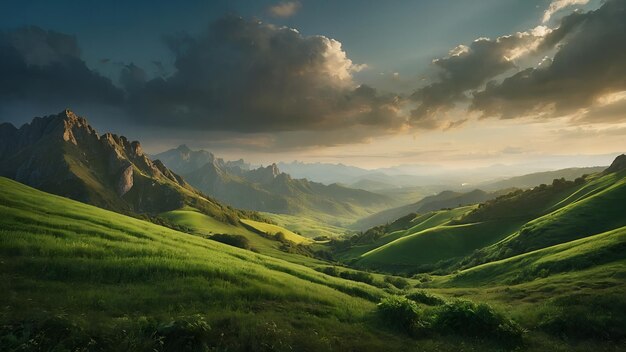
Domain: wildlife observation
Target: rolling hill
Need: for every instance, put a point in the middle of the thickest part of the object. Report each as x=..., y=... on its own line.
x=445, y=199
x=268, y=189
x=519, y=222
x=74, y=275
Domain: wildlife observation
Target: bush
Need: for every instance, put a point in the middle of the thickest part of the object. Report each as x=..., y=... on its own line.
x=232, y=240
x=476, y=320
x=426, y=298
x=321, y=238
x=586, y=317
x=401, y=313
x=359, y=276
x=189, y=334
x=398, y=282
x=330, y=270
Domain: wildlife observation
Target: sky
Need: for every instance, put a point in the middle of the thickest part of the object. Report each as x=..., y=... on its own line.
x=367, y=83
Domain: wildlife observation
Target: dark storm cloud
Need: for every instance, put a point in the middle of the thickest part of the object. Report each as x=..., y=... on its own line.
x=468, y=68
x=589, y=64
x=244, y=75
x=42, y=66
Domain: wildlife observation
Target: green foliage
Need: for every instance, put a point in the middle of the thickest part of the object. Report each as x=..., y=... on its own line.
x=402, y=314
x=458, y=317
x=585, y=317
x=232, y=240
x=78, y=277
x=359, y=276
x=188, y=334
x=476, y=320
x=398, y=282
x=426, y=298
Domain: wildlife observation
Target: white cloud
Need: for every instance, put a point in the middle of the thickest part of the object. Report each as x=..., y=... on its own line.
x=558, y=5
x=285, y=9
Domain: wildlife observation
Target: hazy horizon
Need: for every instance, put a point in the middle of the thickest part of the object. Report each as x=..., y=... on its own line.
x=529, y=84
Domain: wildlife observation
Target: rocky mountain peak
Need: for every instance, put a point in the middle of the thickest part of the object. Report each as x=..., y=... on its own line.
x=73, y=127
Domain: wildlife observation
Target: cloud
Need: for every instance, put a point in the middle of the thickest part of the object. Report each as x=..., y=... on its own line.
x=39, y=67
x=588, y=66
x=247, y=76
x=284, y=9
x=468, y=68
x=558, y=5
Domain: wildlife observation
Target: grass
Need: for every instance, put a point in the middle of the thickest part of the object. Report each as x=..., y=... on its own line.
x=429, y=246
x=274, y=230
x=201, y=224
x=305, y=226
x=75, y=276
x=114, y=279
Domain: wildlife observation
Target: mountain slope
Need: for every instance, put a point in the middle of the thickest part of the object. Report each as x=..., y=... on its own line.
x=445, y=199
x=537, y=178
x=64, y=155
x=77, y=277
x=509, y=225
x=268, y=189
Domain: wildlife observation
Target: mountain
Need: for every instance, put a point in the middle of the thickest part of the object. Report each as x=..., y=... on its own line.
x=445, y=199
x=268, y=188
x=537, y=178
x=185, y=160
x=63, y=154
x=510, y=225
x=323, y=172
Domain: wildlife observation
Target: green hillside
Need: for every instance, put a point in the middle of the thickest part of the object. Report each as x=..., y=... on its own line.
x=274, y=230
x=514, y=223
x=74, y=275
x=445, y=199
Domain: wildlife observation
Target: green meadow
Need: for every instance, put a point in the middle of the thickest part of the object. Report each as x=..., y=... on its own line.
x=77, y=277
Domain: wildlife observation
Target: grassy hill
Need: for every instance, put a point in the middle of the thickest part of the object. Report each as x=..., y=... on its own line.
x=273, y=231
x=445, y=199
x=76, y=275
x=515, y=223
x=73, y=276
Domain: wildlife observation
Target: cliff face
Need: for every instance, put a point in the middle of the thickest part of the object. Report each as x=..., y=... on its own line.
x=63, y=154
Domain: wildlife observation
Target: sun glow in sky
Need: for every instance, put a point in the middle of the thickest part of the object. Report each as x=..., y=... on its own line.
x=456, y=84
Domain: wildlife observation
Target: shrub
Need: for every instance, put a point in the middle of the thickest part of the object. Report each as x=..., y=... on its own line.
x=232, y=240
x=398, y=282
x=401, y=313
x=189, y=334
x=586, y=317
x=322, y=238
x=359, y=276
x=330, y=270
x=426, y=298
x=476, y=320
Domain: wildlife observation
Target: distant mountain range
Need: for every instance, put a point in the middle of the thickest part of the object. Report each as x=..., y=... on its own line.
x=267, y=188
x=386, y=180
x=537, y=178
x=63, y=154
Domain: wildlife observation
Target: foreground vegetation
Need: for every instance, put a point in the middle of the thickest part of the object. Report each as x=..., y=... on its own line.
x=76, y=277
